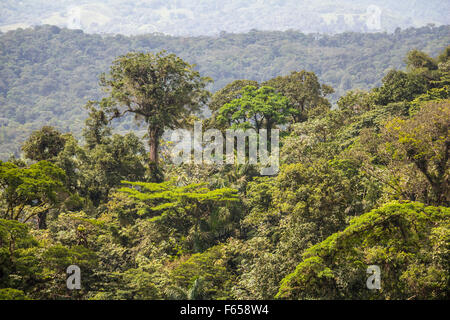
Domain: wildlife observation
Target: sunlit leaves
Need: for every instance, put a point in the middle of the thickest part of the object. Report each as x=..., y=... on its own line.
x=409, y=241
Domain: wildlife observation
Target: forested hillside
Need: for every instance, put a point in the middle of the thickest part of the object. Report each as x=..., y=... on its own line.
x=363, y=184
x=48, y=74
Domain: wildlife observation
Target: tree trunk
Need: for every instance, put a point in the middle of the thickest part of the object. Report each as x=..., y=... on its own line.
x=153, y=143
x=42, y=220
x=269, y=135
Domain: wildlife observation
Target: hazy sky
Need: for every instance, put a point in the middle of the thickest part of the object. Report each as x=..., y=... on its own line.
x=206, y=17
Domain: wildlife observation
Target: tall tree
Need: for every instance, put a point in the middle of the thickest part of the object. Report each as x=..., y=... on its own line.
x=96, y=126
x=228, y=93
x=400, y=86
x=44, y=144
x=256, y=108
x=159, y=89
x=304, y=92
x=417, y=59
x=424, y=140
x=29, y=192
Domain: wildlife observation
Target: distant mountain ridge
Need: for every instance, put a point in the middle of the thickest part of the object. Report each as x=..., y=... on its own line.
x=210, y=17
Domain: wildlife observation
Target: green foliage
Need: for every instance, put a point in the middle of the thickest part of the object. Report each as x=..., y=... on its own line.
x=19, y=265
x=94, y=169
x=306, y=95
x=25, y=191
x=57, y=258
x=12, y=294
x=44, y=144
x=420, y=60
x=158, y=89
x=96, y=128
x=399, y=86
x=256, y=108
x=167, y=195
x=300, y=208
x=424, y=140
x=229, y=93
x=205, y=275
x=139, y=284
x=409, y=241
x=58, y=68
x=356, y=101
x=407, y=154
x=365, y=183
x=425, y=73
x=165, y=200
